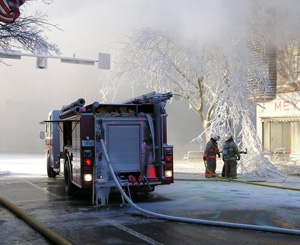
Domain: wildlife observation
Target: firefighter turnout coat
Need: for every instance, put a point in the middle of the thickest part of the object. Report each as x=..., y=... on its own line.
x=210, y=152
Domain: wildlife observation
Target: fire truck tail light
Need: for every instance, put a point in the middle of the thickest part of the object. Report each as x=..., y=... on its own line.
x=88, y=162
x=168, y=155
x=88, y=177
x=131, y=178
x=168, y=159
x=168, y=173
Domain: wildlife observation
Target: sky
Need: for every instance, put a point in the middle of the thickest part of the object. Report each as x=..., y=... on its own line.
x=88, y=27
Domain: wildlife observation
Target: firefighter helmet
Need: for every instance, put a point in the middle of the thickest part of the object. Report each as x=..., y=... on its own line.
x=215, y=137
x=228, y=137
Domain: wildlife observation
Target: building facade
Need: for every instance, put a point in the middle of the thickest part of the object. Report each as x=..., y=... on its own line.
x=278, y=117
x=278, y=124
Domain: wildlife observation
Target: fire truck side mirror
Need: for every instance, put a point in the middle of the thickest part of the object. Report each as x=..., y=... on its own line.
x=42, y=135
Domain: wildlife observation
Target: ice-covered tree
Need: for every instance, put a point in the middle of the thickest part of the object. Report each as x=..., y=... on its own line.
x=216, y=79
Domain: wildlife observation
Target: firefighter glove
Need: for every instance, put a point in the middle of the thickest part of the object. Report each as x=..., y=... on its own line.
x=204, y=158
x=238, y=157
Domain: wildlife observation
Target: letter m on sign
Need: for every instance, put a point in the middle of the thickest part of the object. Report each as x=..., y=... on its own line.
x=277, y=107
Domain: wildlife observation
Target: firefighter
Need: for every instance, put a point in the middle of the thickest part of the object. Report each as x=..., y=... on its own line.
x=230, y=156
x=211, y=150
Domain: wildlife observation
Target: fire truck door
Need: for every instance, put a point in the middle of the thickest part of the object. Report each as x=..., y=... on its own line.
x=76, y=153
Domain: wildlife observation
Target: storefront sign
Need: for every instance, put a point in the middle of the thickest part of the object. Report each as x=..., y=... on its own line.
x=286, y=105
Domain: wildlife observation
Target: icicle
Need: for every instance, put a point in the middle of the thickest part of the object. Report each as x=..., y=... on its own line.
x=102, y=195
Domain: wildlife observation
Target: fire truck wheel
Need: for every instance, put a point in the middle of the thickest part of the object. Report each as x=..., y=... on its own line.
x=51, y=173
x=69, y=187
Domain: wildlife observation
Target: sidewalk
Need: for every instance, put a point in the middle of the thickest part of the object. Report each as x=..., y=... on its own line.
x=194, y=171
x=200, y=177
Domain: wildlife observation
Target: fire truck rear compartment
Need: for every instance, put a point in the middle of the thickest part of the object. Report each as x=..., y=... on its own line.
x=123, y=144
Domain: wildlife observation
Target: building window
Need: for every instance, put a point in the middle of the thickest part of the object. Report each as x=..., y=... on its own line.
x=295, y=138
x=296, y=66
x=277, y=136
x=293, y=63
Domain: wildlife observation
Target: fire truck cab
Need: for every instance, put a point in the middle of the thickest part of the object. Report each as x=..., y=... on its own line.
x=135, y=137
x=52, y=143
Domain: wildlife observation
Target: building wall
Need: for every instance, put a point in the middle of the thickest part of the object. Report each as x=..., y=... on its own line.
x=278, y=117
x=278, y=120
x=278, y=123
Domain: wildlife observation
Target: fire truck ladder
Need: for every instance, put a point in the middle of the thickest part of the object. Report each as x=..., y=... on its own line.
x=152, y=97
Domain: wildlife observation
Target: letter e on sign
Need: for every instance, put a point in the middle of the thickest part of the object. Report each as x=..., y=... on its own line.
x=285, y=105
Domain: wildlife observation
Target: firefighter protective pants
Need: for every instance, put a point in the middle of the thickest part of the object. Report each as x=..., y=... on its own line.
x=211, y=166
x=230, y=169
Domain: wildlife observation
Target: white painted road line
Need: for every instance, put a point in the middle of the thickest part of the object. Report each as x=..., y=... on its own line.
x=134, y=233
x=42, y=189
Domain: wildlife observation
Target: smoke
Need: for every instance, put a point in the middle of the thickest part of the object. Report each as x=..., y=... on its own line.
x=207, y=21
x=28, y=94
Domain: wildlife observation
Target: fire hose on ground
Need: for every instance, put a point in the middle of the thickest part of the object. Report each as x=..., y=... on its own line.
x=189, y=220
x=57, y=239
x=249, y=183
x=47, y=233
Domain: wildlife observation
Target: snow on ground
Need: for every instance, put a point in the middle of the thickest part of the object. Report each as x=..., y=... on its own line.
x=197, y=166
x=21, y=164
x=196, y=169
x=194, y=166
x=35, y=164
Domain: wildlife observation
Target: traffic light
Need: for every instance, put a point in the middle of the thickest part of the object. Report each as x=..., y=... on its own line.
x=41, y=63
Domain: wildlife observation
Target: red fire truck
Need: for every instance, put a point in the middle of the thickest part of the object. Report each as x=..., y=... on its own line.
x=135, y=137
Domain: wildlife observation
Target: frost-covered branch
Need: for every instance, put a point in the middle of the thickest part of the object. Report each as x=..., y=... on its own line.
x=27, y=33
x=220, y=82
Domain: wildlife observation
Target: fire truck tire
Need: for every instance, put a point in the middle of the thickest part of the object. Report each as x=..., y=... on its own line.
x=69, y=187
x=51, y=173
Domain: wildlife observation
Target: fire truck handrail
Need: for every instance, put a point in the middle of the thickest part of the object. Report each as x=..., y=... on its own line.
x=58, y=121
x=151, y=126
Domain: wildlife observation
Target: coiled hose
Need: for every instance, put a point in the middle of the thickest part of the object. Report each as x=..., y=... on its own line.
x=47, y=233
x=188, y=220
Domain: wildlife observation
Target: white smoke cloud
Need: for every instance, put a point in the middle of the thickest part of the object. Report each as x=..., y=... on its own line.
x=27, y=94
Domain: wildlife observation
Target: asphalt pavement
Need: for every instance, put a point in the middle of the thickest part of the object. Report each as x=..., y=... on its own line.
x=192, y=196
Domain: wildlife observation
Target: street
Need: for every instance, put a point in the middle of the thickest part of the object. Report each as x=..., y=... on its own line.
x=76, y=220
